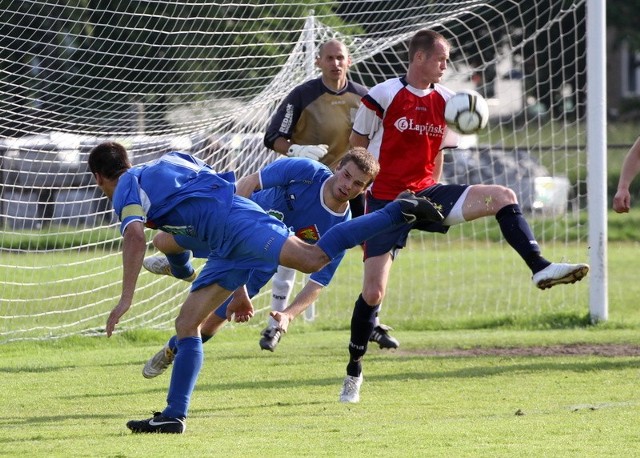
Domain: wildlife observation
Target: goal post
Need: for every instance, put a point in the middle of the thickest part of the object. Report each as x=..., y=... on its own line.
x=597, y=145
x=205, y=77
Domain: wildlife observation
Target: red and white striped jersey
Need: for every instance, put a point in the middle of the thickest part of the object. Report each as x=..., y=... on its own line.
x=406, y=131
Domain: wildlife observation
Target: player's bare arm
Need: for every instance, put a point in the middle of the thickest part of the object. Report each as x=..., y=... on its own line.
x=356, y=139
x=247, y=185
x=629, y=170
x=133, y=251
x=281, y=145
x=305, y=297
x=439, y=163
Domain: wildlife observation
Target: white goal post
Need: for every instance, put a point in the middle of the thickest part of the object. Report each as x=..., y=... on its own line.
x=205, y=77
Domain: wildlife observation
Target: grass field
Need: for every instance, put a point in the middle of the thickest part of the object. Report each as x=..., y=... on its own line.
x=526, y=384
x=72, y=397
x=538, y=383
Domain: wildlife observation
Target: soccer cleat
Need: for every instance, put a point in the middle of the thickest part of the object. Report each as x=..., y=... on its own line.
x=158, y=424
x=418, y=209
x=158, y=363
x=380, y=335
x=560, y=273
x=351, y=389
x=270, y=337
x=159, y=265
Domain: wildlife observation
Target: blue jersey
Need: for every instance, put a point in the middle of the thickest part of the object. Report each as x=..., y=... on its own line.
x=292, y=192
x=152, y=193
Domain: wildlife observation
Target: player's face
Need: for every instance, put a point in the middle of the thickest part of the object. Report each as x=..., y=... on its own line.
x=350, y=182
x=431, y=66
x=334, y=63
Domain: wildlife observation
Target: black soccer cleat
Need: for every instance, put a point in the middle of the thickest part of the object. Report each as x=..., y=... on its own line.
x=418, y=209
x=158, y=424
x=380, y=335
x=271, y=336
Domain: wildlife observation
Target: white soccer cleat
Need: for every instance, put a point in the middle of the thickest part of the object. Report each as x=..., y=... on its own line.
x=351, y=389
x=560, y=273
x=158, y=363
x=159, y=265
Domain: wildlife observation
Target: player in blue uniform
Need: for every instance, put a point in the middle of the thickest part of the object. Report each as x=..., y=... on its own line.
x=315, y=121
x=302, y=193
x=181, y=195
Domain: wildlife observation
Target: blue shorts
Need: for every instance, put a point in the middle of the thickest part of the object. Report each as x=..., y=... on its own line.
x=444, y=196
x=251, y=240
x=199, y=248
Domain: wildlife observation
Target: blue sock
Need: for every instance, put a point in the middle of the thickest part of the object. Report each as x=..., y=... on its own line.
x=518, y=234
x=186, y=368
x=173, y=342
x=363, y=321
x=348, y=234
x=180, y=265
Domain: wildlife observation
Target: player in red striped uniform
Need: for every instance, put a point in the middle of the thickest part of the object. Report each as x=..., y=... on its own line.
x=401, y=121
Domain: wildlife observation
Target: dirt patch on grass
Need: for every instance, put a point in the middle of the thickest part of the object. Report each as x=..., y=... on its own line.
x=578, y=349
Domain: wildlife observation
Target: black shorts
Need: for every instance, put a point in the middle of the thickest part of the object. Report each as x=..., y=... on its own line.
x=444, y=196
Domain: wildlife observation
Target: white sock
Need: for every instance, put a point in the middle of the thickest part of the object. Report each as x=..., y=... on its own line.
x=377, y=321
x=281, y=287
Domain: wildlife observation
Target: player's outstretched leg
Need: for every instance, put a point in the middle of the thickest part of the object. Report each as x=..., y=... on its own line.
x=407, y=208
x=560, y=273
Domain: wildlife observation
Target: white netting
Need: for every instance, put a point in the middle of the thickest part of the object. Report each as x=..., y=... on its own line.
x=205, y=76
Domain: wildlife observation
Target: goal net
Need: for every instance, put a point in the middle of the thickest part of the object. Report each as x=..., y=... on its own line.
x=204, y=77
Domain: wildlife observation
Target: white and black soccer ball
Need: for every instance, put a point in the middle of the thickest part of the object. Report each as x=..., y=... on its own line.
x=466, y=112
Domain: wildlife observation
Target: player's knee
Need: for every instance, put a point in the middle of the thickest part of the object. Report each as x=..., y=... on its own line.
x=506, y=196
x=373, y=295
x=164, y=242
x=186, y=326
x=157, y=240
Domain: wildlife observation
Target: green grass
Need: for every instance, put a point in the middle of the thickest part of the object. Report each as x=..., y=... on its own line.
x=60, y=238
x=72, y=398
x=461, y=284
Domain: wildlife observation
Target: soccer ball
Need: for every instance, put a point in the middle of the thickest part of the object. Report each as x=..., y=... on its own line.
x=466, y=112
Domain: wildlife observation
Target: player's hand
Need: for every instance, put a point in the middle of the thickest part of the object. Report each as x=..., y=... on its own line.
x=283, y=319
x=239, y=310
x=622, y=201
x=315, y=152
x=115, y=315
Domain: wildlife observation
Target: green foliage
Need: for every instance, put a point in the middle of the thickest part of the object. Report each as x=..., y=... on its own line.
x=622, y=17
